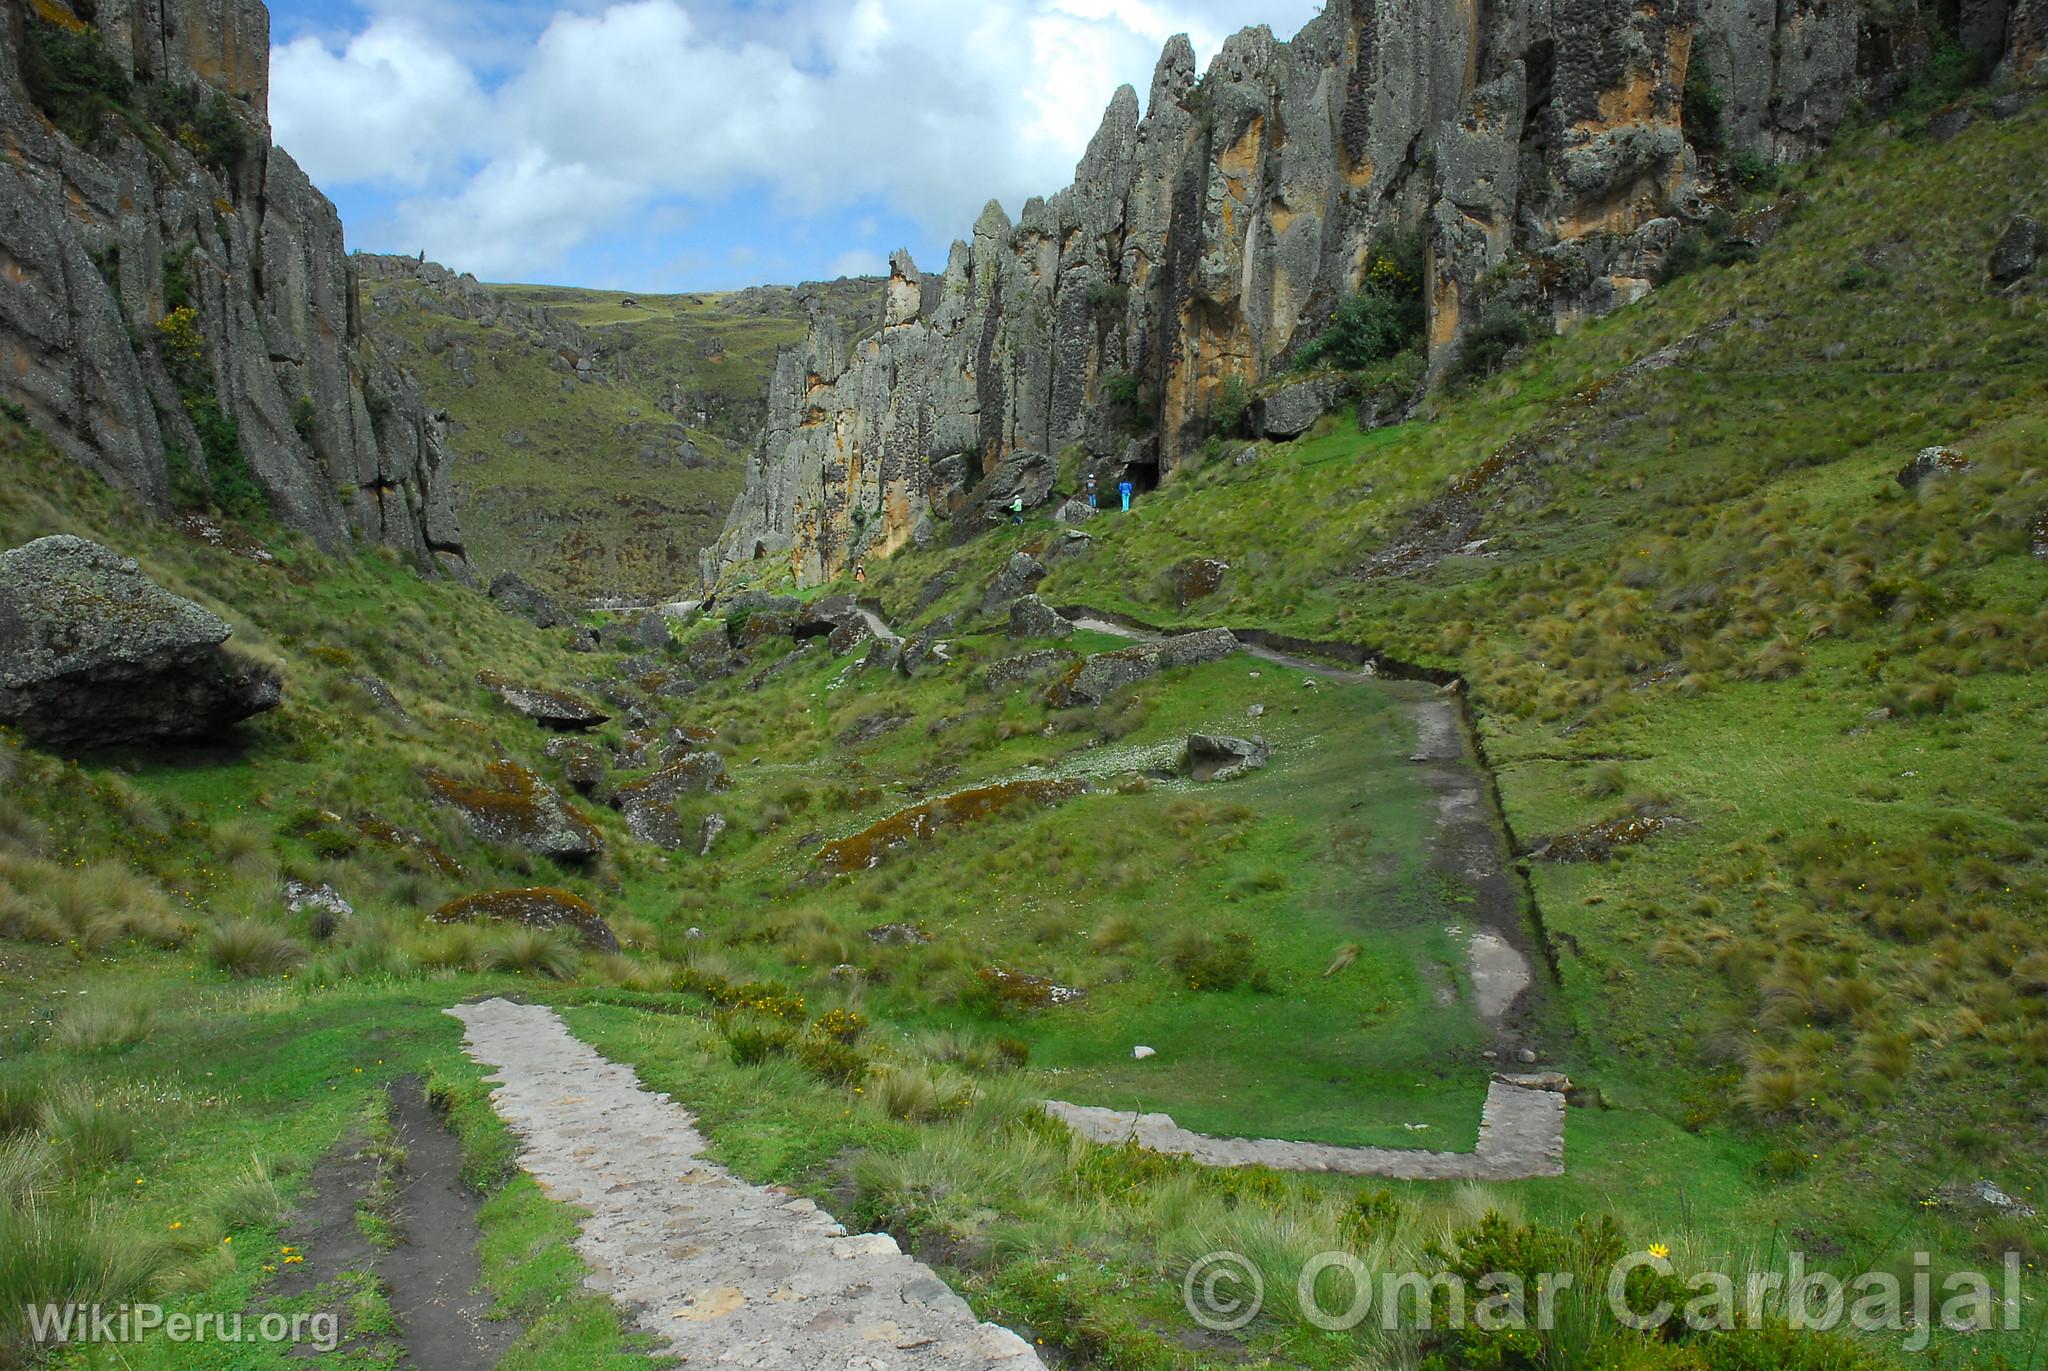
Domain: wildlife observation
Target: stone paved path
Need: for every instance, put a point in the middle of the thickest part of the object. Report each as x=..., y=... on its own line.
x=1521, y=1137
x=723, y=1272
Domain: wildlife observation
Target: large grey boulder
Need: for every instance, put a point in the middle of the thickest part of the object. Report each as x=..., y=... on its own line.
x=515, y=595
x=1219, y=757
x=1031, y=617
x=1104, y=674
x=1293, y=410
x=649, y=804
x=95, y=654
x=1019, y=576
x=556, y=709
x=515, y=807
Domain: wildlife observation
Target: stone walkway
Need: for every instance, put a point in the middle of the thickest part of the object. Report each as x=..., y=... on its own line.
x=1521, y=1137
x=723, y=1272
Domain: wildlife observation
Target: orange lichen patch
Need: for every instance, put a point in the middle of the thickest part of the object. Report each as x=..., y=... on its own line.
x=1280, y=217
x=514, y=805
x=866, y=848
x=1357, y=171
x=1636, y=101
x=698, y=734
x=536, y=907
x=1242, y=157
x=376, y=829
x=1017, y=990
x=50, y=12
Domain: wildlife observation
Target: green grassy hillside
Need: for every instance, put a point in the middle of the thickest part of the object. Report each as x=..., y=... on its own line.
x=1671, y=558
x=604, y=481
x=1705, y=636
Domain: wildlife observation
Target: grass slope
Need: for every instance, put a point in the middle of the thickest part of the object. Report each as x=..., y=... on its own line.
x=603, y=483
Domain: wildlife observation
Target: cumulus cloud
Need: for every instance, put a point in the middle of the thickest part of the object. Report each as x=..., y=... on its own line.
x=506, y=158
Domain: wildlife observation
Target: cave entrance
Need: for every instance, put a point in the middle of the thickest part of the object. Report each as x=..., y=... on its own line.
x=1143, y=476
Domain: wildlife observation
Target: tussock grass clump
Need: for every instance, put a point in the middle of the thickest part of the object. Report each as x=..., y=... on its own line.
x=248, y=948
x=918, y=1094
x=549, y=953
x=86, y=1131
x=53, y=1253
x=104, y=1023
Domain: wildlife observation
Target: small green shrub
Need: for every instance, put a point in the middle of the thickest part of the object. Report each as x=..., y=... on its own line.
x=1227, y=411
x=73, y=76
x=1385, y=317
x=1486, y=345
x=1214, y=961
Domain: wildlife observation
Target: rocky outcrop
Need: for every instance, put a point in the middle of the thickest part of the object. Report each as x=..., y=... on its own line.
x=1096, y=678
x=1219, y=757
x=177, y=311
x=2018, y=248
x=515, y=807
x=539, y=907
x=1031, y=617
x=1540, y=149
x=556, y=709
x=94, y=654
x=649, y=804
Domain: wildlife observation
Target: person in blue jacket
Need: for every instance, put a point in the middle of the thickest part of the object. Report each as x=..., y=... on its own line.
x=1124, y=489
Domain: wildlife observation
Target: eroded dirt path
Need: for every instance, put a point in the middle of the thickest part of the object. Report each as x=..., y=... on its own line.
x=723, y=1272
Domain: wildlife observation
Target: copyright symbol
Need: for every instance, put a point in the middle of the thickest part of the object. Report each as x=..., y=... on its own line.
x=1223, y=1291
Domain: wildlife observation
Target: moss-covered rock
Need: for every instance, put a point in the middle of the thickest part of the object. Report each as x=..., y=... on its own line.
x=537, y=907
x=514, y=806
x=95, y=654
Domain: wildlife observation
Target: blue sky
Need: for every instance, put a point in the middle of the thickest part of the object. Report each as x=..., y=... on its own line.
x=670, y=145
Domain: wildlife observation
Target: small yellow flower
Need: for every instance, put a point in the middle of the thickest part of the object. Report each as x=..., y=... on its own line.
x=1659, y=1251
x=228, y=1239
x=176, y=1225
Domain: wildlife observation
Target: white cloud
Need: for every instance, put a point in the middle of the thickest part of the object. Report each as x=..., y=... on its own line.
x=513, y=157
x=859, y=262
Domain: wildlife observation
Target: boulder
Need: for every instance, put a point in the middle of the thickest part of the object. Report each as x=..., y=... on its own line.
x=649, y=803
x=848, y=636
x=883, y=653
x=95, y=654
x=582, y=764
x=1001, y=675
x=2019, y=247
x=1293, y=410
x=537, y=907
x=760, y=624
x=921, y=650
x=1219, y=757
x=748, y=601
x=514, y=806
x=1071, y=543
x=646, y=631
x=897, y=935
x=1075, y=512
x=1031, y=617
x=1029, y=474
x=1102, y=675
x=515, y=595
x=1931, y=464
x=1198, y=578
x=556, y=709
x=820, y=618
x=1019, y=576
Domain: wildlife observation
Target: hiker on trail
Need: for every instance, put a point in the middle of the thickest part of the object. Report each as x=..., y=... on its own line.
x=860, y=573
x=1124, y=489
x=1017, y=509
x=1091, y=492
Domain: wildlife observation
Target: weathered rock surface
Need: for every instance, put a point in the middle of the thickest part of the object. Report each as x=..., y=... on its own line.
x=1932, y=463
x=557, y=709
x=514, y=595
x=1031, y=617
x=512, y=805
x=2019, y=247
x=1197, y=579
x=95, y=654
x=1008, y=672
x=1541, y=149
x=1219, y=757
x=1097, y=678
x=538, y=907
x=1293, y=410
x=583, y=764
x=649, y=803
x=1019, y=576
x=103, y=242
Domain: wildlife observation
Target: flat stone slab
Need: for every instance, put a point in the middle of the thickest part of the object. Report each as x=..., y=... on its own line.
x=723, y=1272
x=1521, y=1137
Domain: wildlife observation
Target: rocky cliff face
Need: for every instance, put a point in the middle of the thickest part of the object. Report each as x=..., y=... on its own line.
x=176, y=307
x=1541, y=147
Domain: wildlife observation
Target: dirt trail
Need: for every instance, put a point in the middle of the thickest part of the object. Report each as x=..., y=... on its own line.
x=721, y=1271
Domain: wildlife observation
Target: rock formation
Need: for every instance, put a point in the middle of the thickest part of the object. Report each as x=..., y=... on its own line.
x=1541, y=149
x=94, y=654
x=177, y=311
